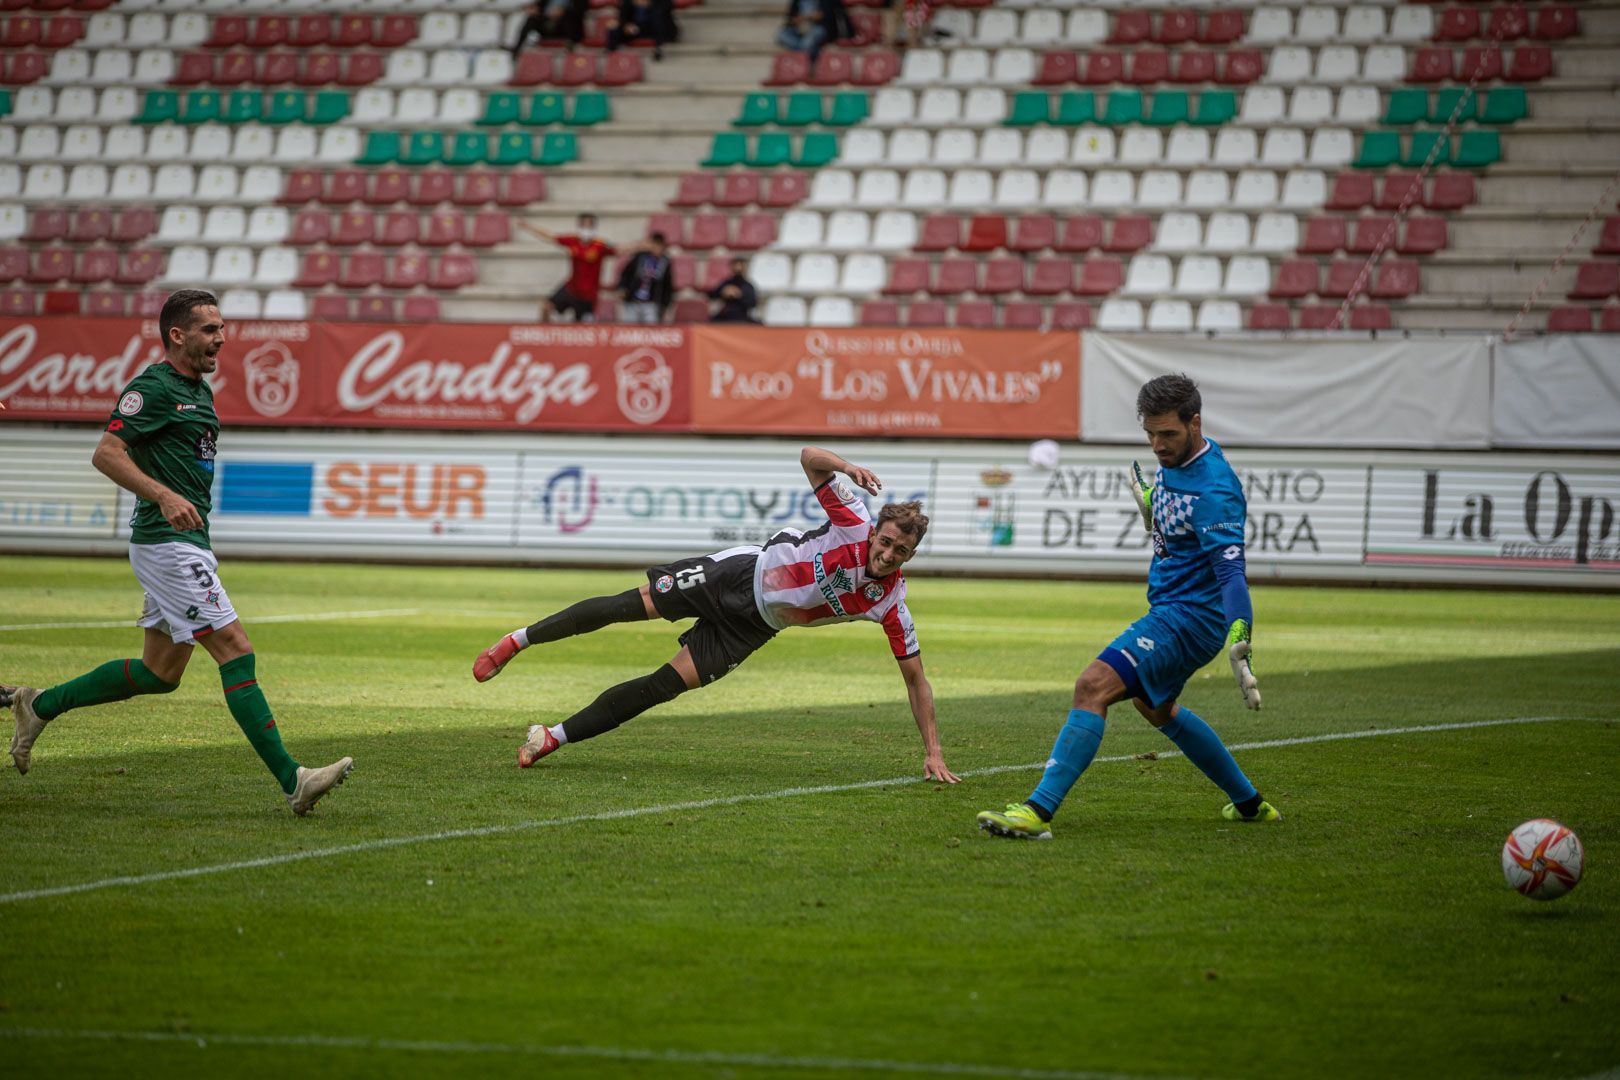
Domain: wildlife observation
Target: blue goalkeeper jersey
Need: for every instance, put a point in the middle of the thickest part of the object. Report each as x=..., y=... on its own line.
x=1199, y=514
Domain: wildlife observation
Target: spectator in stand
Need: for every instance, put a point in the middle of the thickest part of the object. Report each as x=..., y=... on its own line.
x=643, y=20
x=647, y=283
x=810, y=24
x=577, y=295
x=906, y=22
x=553, y=19
x=737, y=296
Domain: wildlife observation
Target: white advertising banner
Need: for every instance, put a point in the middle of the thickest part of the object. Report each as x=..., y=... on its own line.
x=1561, y=391
x=1495, y=517
x=1364, y=393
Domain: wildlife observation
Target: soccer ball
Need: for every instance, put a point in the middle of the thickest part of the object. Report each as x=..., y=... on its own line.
x=1542, y=859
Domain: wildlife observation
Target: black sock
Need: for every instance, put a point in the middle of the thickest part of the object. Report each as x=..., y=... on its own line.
x=588, y=615
x=1040, y=811
x=619, y=703
x=1250, y=806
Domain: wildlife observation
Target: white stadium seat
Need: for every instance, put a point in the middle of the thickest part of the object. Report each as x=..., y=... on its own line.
x=438, y=30
x=1042, y=29
x=1276, y=233
x=1247, y=275
x=1002, y=146
x=449, y=68
x=1289, y=64
x=1384, y=64
x=131, y=183
x=416, y=106
x=1332, y=147
x=996, y=28
x=225, y=225
x=1093, y=145
x=105, y=30
x=118, y=104
x=800, y=230
x=894, y=230
x=862, y=146
x=481, y=30
x=13, y=220
x=831, y=311
x=406, y=67
x=955, y=146
x=892, y=105
x=1046, y=146
x=174, y=182
x=76, y=103
x=372, y=105
x=939, y=105
x=909, y=146
x=1170, y=316
x=1282, y=147
x=1159, y=188
x=1141, y=146
x=1219, y=316
x=1236, y=147
x=1261, y=105
x=286, y=304
x=71, y=67
x=1198, y=275
x=1358, y=105
x=268, y=225
x=1208, y=189
x=45, y=181
x=1113, y=188
x=924, y=189
x=967, y=67
x=1316, y=25
x=39, y=142
x=491, y=67
x=970, y=188
x=1179, y=231
x=1086, y=26
x=1255, y=189
x=240, y=304
x=210, y=142
x=81, y=142
x=339, y=146
x=253, y=143
x=862, y=274
x=1337, y=65
x=1412, y=23
x=785, y=311
x=1227, y=232
x=1310, y=105
x=1188, y=146
x=831, y=187
x=770, y=271
x=295, y=143
x=1304, y=189
x=10, y=180
x=153, y=67
x=1147, y=275
x=187, y=264
x=983, y=106
x=877, y=188
x=1119, y=315
x=1270, y=26
x=186, y=31
x=1363, y=25
x=87, y=183
x=216, y=183
x=32, y=103
x=260, y=183
x=147, y=29
x=922, y=67
x=276, y=266
x=1013, y=67
x=1017, y=188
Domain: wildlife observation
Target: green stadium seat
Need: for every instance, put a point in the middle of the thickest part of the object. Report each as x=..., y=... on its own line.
x=423, y=148
x=1030, y=107
x=1407, y=105
x=159, y=107
x=1215, y=107
x=468, y=148
x=286, y=107
x=382, y=147
x=5, y=102
x=329, y=107
x=501, y=109
x=202, y=107
x=1379, y=149
x=1124, y=107
x=819, y=148
x=1076, y=107
x=771, y=149
x=1504, y=105
x=729, y=148
x=558, y=148
x=1477, y=149
x=802, y=109
x=544, y=109
x=757, y=109
x=514, y=148
x=1425, y=140
x=1445, y=101
x=244, y=106
x=590, y=108
x=1169, y=107
x=848, y=108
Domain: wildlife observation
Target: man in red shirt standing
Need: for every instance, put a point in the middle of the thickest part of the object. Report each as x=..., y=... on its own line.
x=588, y=251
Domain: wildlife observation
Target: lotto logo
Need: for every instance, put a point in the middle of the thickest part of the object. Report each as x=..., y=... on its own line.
x=1231, y=553
x=664, y=584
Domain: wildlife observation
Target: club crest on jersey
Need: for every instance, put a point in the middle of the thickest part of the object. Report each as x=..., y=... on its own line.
x=832, y=584
x=841, y=489
x=873, y=591
x=664, y=584
x=131, y=403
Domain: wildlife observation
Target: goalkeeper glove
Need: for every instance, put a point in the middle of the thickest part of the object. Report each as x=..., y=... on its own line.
x=1144, y=497
x=1240, y=653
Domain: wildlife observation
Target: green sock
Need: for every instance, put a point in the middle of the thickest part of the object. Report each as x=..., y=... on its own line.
x=113, y=681
x=253, y=716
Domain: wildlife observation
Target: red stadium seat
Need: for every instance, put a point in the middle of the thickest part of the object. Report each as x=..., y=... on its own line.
x=95, y=266
x=444, y=228
x=106, y=303
x=940, y=232
x=1319, y=317
x=1058, y=68
x=1052, y=276
x=359, y=69
x=695, y=189
x=352, y=30
x=1508, y=23
x=1531, y=63
x=17, y=303
x=1609, y=242
x=398, y=227
x=1222, y=27
x=270, y=31
x=310, y=227
x=833, y=67
x=396, y=30
x=346, y=186
x=1103, y=67
x=13, y=264
x=432, y=187
x=1596, y=279
x=1130, y=27
x=1450, y=191
x=1423, y=236
x=755, y=231
x=478, y=187
x=736, y=189
x=1003, y=274
x=236, y=69
x=1177, y=26
x=377, y=309
x=319, y=69
x=226, y=31
x=1397, y=279
x=880, y=313
x=1194, y=66
x=420, y=309
x=1554, y=22
x=976, y=314
x=1323, y=236
x=1430, y=65
x=406, y=271
x=1148, y=66
x=283, y=67
x=788, y=69
x=1023, y=315
x=907, y=276
x=1457, y=24
x=51, y=265
x=1569, y=320
x=46, y=224
x=878, y=67
x=1071, y=315
x=683, y=272
x=1370, y=317
x=1397, y=187
x=452, y=271
x=193, y=69
x=1295, y=278
x=1241, y=66
x=1485, y=60
x=310, y=30
x=532, y=69
x=302, y=185
x=23, y=68
x=575, y=69
x=715, y=270
x=389, y=186
x=361, y=269
x=1370, y=230
x=691, y=311
x=926, y=313
x=1341, y=279
x=955, y=275
x=1099, y=276
x=986, y=232
x=140, y=266
x=1034, y=232
x=621, y=69
x=1131, y=233
x=1270, y=317
x=18, y=31
x=709, y=231
x=61, y=302
x=673, y=226
x=354, y=227
x=135, y=225
x=785, y=189
x=331, y=307
x=1609, y=322
x=866, y=28
x=317, y=268
x=522, y=187
x=1081, y=233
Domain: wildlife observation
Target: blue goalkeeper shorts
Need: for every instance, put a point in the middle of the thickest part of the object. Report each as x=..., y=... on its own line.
x=1159, y=652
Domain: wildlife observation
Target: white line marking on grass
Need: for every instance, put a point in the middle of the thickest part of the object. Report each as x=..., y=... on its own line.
x=296, y=617
x=708, y=804
x=608, y=1053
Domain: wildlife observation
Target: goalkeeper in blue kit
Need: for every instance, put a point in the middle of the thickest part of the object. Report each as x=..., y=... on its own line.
x=1198, y=606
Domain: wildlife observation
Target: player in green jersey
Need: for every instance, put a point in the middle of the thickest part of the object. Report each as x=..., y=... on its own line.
x=159, y=444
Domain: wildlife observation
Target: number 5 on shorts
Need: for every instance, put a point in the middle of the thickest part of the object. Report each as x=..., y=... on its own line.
x=200, y=572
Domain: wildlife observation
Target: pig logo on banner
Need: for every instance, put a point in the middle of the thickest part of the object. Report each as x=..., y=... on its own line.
x=645, y=385
x=272, y=379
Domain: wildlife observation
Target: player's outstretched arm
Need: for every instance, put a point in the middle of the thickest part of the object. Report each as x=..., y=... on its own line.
x=1240, y=653
x=922, y=710
x=1144, y=496
x=112, y=460
x=819, y=466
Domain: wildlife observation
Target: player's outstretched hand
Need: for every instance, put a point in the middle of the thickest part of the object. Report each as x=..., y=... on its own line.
x=934, y=769
x=179, y=513
x=864, y=478
x=1240, y=652
x=1144, y=496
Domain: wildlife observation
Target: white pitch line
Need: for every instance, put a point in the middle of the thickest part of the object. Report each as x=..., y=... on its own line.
x=663, y=1057
x=296, y=617
x=706, y=804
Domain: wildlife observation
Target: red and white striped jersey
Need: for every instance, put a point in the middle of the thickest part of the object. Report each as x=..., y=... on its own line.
x=809, y=578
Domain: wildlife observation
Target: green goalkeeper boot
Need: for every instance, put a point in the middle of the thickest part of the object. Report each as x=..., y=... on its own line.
x=1264, y=812
x=1019, y=821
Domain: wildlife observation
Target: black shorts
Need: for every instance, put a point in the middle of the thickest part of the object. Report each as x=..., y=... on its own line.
x=565, y=302
x=719, y=594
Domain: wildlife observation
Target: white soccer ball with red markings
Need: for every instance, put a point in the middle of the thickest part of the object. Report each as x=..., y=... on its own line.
x=1543, y=859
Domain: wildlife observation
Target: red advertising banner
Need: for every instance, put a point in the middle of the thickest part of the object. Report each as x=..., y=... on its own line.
x=483, y=376
x=935, y=382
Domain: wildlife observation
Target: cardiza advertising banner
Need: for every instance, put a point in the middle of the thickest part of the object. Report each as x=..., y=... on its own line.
x=496, y=376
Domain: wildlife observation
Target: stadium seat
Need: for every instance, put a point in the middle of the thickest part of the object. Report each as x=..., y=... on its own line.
x=1057, y=69
x=1401, y=188
x=1569, y=319
x=1323, y=236
x=1296, y=278
x=1396, y=279
x=1120, y=315
x=1609, y=321
x=1342, y=276
x=1269, y=317
x=1596, y=279
x=1198, y=275
x=1370, y=233
x=1553, y=22
x=955, y=275
x=1608, y=242
x=906, y=276
x=1247, y=275
x=1450, y=191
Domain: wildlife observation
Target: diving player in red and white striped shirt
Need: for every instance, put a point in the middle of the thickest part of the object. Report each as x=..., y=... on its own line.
x=847, y=569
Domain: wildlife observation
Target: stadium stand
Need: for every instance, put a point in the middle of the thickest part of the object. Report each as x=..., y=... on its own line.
x=1048, y=165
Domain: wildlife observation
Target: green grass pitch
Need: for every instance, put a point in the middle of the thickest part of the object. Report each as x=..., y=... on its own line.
x=855, y=932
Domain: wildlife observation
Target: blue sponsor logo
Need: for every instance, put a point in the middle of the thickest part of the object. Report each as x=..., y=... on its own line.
x=266, y=487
